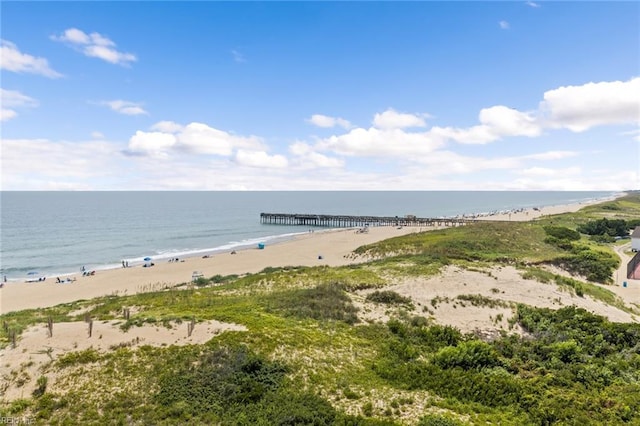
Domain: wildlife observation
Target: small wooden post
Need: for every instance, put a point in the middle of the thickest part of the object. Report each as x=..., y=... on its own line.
x=190, y=327
x=50, y=325
x=12, y=337
x=89, y=321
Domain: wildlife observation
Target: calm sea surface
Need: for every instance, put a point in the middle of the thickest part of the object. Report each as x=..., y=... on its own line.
x=54, y=233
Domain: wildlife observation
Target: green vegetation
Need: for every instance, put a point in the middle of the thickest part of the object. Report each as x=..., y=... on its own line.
x=235, y=386
x=573, y=368
x=486, y=243
x=324, y=302
x=480, y=300
x=388, y=297
x=307, y=359
x=604, y=226
x=562, y=233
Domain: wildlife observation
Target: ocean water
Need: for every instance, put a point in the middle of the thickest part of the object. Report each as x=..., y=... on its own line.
x=56, y=233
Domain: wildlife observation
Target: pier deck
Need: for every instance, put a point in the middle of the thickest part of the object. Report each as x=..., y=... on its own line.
x=342, y=221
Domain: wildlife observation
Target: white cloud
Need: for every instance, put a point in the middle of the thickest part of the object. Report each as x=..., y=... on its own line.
x=551, y=155
x=10, y=99
x=260, y=159
x=391, y=119
x=125, y=107
x=375, y=142
x=167, y=127
x=496, y=122
x=95, y=45
x=578, y=108
x=548, y=172
x=506, y=121
x=61, y=165
x=11, y=59
x=7, y=114
x=155, y=144
x=13, y=98
x=449, y=163
x=194, y=138
x=473, y=135
x=532, y=4
x=601, y=181
x=95, y=165
x=200, y=138
x=327, y=121
x=97, y=135
x=238, y=57
x=634, y=133
x=306, y=157
x=504, y=25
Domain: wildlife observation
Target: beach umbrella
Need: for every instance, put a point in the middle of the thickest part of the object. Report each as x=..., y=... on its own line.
x=146, y=259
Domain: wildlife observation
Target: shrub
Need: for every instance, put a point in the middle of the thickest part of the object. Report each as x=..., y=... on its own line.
x=604, y=239
x=467, y=355
x=560, y=243
x=367, y=409
x=220, y=378
x=480, y=300
x=221, y=279
x=604, y=226
x=201, y=282
x=562, y=233
x=595, y=265
x=388, y=298
x=41, y=387
x=324, y=302
x=81, y=357
x=437, y=420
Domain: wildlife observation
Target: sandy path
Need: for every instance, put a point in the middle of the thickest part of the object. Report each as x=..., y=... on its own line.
x=631, y=293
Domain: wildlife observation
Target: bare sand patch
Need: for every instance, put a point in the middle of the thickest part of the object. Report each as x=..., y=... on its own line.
x=438, y=297
x=35, y=351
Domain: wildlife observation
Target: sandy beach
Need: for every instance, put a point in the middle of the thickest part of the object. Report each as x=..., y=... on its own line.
x=304, y=250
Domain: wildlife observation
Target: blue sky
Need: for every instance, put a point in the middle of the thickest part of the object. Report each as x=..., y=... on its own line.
x=320, y=95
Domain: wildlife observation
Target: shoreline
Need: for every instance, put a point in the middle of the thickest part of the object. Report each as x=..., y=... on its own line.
x=250, y=242
x=302, y=249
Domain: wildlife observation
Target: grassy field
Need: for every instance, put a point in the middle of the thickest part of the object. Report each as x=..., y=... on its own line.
x=307, y=357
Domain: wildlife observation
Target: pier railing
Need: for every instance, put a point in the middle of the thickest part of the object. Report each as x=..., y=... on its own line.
x=343, y=221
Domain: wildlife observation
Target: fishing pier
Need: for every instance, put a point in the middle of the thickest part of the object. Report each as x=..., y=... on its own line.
x=342, y=221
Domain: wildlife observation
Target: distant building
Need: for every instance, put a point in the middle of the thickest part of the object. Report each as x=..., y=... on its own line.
x=635, y=239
